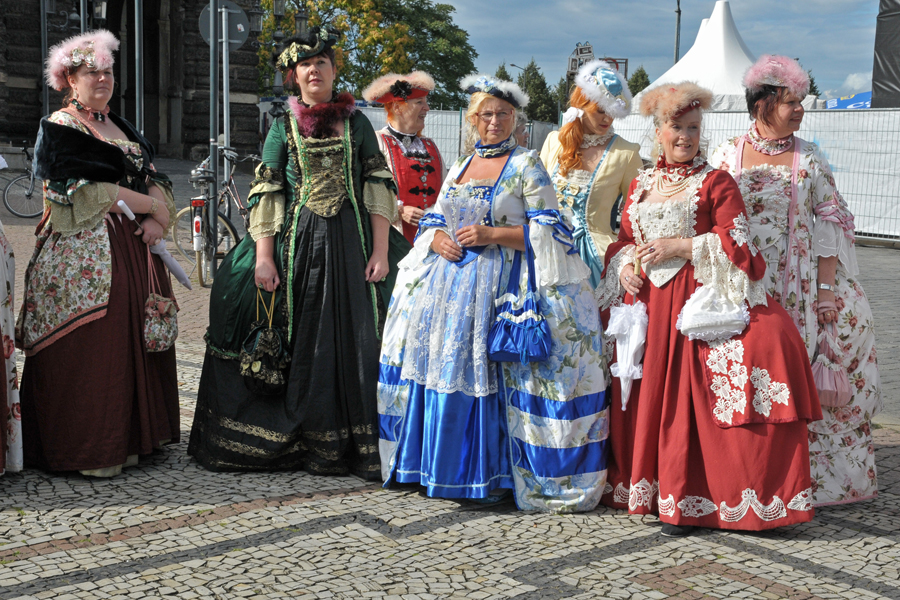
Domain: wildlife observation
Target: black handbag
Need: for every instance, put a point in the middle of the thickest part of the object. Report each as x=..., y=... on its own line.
x=264, y=355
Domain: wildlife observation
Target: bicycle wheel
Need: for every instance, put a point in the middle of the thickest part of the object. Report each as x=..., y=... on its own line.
x=227, y=239
x=182, y=234
x=23, y=197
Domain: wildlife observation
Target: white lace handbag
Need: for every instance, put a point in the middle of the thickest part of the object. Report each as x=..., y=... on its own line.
x=711, y=316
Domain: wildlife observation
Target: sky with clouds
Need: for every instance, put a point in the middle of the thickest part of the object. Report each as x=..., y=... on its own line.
x=834, y=38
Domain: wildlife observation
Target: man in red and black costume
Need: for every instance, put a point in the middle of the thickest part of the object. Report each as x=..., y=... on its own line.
x=414, y=160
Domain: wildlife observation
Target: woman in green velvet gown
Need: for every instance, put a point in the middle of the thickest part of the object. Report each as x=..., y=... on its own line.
x=319, y=240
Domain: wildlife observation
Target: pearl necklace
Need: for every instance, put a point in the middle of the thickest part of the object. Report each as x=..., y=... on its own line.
x=767, y=146
x=590, y=139
x=674, y=189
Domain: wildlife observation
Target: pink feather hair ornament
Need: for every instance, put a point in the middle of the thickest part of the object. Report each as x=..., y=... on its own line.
x=779, y=71
x=94, y=49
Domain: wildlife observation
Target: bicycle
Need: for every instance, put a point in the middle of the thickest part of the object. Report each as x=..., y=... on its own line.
x=192, y=234
x=24, y=195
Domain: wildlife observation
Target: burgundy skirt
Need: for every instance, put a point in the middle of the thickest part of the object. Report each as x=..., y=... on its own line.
x=96, y=396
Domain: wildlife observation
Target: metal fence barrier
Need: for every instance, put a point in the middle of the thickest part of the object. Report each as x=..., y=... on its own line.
x=862, y=147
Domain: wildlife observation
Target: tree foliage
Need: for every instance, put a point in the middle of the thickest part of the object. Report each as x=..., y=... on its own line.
x=542, y=105
x=560, y=93
x=379, y=37
x=502, y=74
x=813, y=88
x=438, y=46
x=638, y=81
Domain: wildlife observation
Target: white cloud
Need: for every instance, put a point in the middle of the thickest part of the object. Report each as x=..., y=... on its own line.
x=853, y=84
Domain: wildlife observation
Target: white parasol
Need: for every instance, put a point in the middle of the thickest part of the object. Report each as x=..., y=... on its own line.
x=628, y=324
x=160, y=250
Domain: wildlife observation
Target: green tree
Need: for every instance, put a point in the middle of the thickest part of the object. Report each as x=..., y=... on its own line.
x=638, y=81
x=560, y=94
x=438, y=46
x=813, y=88
x=502, y=74
x=542, y=104
x=365, y=51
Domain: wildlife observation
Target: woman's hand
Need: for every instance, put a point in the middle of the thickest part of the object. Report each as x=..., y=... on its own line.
x=443, y=245
x=266, y=276
x=631, y=282
x=161, y=215
x=827, y=308
x=663, y=249
x=411, y=214
x=475, y=235
x=378, y=267
x=152, y=231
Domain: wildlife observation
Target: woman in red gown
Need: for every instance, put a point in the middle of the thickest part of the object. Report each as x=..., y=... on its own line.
x=714, y=433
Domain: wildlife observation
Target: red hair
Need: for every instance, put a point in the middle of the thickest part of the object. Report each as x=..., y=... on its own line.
x=572, y=134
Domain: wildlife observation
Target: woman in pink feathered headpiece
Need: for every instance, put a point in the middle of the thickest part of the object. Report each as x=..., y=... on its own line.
x=805, y=230
x=87, y=283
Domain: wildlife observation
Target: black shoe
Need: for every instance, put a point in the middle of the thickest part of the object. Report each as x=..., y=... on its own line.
x=670, y=530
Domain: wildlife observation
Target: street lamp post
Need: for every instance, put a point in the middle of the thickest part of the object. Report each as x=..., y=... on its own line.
x=677, y=29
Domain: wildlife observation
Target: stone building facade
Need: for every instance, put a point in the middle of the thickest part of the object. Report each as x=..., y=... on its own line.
x=176, y=75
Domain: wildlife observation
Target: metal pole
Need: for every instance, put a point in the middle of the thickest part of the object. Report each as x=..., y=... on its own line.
x=214, y=126
x=677, y=30
x=83, y=16
x=226, y=97
x=139, y=65
x=45, y=89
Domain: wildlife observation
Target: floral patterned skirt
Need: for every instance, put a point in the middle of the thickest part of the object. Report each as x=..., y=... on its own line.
x=95, y=396
x=542, y=431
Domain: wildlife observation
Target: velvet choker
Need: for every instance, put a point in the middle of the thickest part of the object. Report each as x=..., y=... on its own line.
x=765, y=145
x=318, y=121
x=499, y=149
x=97, y=115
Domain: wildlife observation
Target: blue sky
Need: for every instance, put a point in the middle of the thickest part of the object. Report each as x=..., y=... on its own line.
x=834, y=38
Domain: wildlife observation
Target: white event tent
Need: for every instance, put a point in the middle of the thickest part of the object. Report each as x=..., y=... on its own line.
x=716, y=61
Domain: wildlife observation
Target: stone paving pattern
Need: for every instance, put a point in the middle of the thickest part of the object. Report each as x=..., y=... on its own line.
x=168, y=528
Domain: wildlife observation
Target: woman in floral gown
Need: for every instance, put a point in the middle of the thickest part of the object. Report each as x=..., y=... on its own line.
x=804, y=230
x=11, y=425
x=714, y=433
x=590, y=164
x=452, y=420
x=93, y=398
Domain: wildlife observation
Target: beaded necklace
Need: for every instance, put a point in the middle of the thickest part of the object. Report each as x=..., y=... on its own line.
x=765, y=145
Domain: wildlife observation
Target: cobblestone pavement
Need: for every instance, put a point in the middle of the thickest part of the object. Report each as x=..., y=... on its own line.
x=167, y=528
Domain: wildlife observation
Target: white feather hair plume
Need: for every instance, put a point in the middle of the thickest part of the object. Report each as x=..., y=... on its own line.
x=605, y=86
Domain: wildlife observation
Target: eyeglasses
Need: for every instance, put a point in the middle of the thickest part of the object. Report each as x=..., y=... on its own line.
x=487, y=117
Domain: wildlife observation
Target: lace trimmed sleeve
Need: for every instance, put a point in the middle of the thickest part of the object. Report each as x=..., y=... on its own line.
x=556, y=259
x=266, y=202
x=610, y=291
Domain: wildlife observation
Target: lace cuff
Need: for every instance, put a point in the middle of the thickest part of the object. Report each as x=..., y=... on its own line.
x=267, y=181
x=379, y=200
x=829, y=240
x=610, y=288
x=714, y=268
x=267, y=216
x=89, y=205
x=554, y=265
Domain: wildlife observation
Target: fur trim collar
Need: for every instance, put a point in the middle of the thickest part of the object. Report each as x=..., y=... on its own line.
x=318, y=121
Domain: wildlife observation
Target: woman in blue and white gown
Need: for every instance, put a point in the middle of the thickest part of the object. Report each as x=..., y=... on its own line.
x=452, y=420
